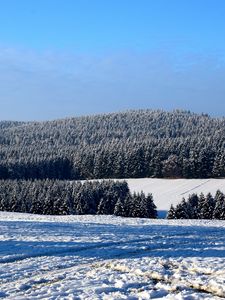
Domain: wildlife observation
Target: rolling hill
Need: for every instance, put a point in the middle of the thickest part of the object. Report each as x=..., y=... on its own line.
x=133, y=144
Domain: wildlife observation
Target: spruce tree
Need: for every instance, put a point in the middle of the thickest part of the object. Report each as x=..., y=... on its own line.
x=181, y=211
x=206, y=208
x=219, y=210
x=119, y=209
x=171, y=213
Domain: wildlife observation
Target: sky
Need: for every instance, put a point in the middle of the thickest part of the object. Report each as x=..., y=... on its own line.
x=63, y=58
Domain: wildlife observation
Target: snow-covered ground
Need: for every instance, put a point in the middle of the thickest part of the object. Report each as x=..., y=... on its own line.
x=171, y=191
x=105, y=257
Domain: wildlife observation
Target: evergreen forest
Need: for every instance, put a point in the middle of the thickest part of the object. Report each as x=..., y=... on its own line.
x=200, y=207
x=42, y=163
x=57, y=197
x=133, y=144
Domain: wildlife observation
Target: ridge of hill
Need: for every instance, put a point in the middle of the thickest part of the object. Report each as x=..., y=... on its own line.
x=135, y=144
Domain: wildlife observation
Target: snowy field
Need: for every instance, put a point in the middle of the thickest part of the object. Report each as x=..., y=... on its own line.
x=105, y=257
x=171, y=191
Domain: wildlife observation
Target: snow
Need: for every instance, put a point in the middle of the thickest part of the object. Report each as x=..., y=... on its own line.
x=108, y=257
x=171, y=191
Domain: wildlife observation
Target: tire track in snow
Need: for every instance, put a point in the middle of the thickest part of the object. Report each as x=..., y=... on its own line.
x=155, y=241
x=97, y=246
x=188, y=236
x=121, y=254
x=71, y=250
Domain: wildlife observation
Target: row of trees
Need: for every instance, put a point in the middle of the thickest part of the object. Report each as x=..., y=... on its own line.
x=70, y=197
x=134, y=144
x=200, y=207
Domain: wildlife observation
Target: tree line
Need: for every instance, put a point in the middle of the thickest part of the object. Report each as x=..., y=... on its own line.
x=133, y=144
x=199, y=207
x=56, y=197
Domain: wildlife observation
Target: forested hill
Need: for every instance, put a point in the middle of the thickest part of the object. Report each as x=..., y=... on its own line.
x=141, y=143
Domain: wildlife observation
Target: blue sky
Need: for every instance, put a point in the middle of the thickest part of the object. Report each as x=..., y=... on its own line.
x=61, y=58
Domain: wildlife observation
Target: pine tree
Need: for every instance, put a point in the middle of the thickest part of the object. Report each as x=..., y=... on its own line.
x=193, y=206
x=201, y=206
x=181, y=211
x=119, y=209
x=219, y=210
x=150, y=207
x=171, y=213
x=206, y=207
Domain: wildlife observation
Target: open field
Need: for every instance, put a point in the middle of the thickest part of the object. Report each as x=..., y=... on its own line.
x=171, y=191
x=105, y=257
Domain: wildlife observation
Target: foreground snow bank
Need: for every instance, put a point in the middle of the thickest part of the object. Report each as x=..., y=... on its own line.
x=106, y=257
x=106, y=219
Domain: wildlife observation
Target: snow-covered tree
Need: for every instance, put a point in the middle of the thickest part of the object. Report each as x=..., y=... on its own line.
x=171, y=213
x=219, y=210
x=206, y=206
